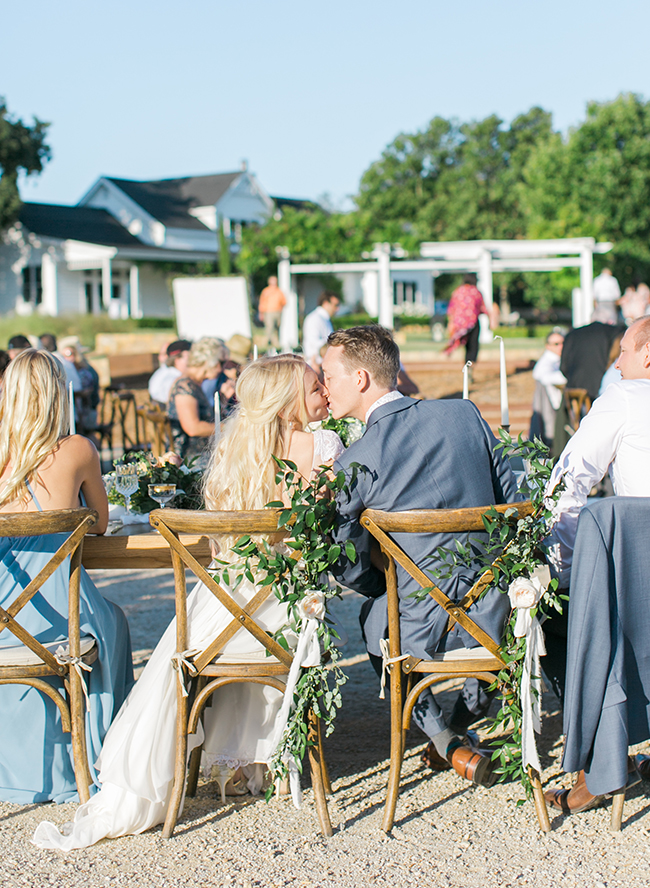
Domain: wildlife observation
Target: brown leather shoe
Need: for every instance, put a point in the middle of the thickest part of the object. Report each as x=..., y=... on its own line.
x=430, y=758
x=472, y=765
x=574, y=800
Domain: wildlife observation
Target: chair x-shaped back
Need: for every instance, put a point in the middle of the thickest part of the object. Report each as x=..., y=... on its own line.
x=207, y=670
x=31, y=662
x=483, y=662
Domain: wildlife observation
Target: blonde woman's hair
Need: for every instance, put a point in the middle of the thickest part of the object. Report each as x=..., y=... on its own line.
x=271, y=396
x=34, y=415
x=207, y=352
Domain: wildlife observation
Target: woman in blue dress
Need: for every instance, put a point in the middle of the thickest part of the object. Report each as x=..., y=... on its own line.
x=42, y=468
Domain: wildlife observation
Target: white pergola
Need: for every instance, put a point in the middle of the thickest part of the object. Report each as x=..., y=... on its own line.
x=484, y=258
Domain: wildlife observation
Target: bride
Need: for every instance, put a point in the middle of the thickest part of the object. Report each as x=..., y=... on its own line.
x=277, y=398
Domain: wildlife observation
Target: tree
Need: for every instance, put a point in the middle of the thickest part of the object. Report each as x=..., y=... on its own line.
x=452, y=181
x=22, y=150
x=596, y=182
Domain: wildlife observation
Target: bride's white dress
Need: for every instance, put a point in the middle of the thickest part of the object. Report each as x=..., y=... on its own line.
x=136, y=765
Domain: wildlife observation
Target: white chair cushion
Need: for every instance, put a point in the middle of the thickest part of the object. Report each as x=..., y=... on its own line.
x=21, y=655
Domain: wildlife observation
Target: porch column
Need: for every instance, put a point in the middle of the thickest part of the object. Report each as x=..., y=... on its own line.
x=107, y=283
x=289, y=332
x=381, y=252
x=484, y=284
x=135, y=304
x=586, y=286
x=49, y=283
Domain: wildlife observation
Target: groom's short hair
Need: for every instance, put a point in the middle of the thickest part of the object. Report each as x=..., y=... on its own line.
x=370, y=348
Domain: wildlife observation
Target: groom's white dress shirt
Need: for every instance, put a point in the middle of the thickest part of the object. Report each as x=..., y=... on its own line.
x=385, y=399
x=614, y=436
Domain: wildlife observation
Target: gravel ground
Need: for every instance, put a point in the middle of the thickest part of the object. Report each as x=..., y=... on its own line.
x=447, y=832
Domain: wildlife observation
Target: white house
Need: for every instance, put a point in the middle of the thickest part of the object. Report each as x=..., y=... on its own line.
x=105, y=253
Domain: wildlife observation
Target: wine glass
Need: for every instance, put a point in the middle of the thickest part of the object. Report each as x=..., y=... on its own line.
x=126, y=482
x=162, y=493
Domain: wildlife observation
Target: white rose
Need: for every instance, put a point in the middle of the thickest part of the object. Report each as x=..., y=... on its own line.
x=312, y=606
x=525, y=592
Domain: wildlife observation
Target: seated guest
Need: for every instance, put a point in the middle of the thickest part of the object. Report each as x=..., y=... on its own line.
x=548, y=396
x=418, y=455
x=43, y=468
x=48, y=342
x=192, y=414
x=612, y=374
x=17, y=344
x=4, y=362
x=174, y=366
x=88, y=398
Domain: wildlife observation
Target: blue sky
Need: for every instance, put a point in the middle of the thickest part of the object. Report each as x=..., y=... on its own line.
x=308, y=93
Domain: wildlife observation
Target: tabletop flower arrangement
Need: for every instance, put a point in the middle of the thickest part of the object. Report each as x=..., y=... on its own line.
x=167, y=469
x=297, y=570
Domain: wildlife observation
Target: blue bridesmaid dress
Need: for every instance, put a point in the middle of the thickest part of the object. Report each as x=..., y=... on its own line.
x=36, y=762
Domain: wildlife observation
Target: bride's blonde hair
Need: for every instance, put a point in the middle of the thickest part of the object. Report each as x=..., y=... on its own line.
x=271, y=396
x=34, y=415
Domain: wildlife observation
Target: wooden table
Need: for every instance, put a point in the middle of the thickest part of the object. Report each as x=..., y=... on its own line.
x=139, y=546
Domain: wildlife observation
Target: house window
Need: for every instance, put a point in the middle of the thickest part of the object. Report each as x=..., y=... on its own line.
x=404, y=292
x=32, y=286
x=88, y=291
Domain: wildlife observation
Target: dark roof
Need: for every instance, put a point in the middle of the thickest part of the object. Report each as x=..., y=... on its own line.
x=170, y=200
x=76, y=223
x=295, y=202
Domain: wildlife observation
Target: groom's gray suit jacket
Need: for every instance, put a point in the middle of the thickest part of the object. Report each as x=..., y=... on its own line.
x=421, y=455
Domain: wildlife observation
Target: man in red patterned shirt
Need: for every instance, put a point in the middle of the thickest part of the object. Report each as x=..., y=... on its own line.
x=465, y=306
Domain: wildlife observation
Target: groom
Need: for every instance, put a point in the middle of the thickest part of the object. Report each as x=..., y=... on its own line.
x=418, y=455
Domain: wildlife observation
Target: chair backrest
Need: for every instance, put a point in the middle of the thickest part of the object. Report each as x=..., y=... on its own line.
x=578, y=405
x=171, y=523
x=125, y=417
x=381, y=524
x=162, y=440
x=75, y=523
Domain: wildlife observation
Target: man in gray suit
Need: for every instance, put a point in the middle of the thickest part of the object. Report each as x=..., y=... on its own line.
x=418, y=455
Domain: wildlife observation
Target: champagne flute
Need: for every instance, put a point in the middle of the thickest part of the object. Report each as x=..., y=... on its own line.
x=162, y=493
x=126, y=482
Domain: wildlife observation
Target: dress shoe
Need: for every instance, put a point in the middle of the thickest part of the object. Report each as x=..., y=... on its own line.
x=431, y=758
x=574, y=800
x=643, y=765
x=472, y=764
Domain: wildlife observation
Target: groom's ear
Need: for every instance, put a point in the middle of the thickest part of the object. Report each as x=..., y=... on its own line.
x=362, y=379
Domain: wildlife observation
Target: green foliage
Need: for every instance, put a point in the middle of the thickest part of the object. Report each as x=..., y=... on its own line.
x=152, y=471
x=224, y=251
x=22, y=150
x=295, y=571
x=349, y=430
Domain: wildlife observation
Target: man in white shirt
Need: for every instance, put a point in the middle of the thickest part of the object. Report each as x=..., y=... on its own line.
x=614, y=436
x=607, y=292
x=548, y=396
x=161, y=382
x=317, y=327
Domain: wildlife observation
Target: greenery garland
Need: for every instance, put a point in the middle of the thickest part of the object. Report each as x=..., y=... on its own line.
x=515, y=548
x=298, y=574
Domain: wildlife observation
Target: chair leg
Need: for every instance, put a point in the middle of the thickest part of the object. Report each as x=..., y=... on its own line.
x=82, y=775
x=618, y=801
x=323, y=763
x=180, y=766
x=195, y=755
x=397, y=741
x=314, y=752
x=540, y=802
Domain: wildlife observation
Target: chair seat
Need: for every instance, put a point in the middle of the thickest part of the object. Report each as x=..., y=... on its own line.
x=21, y=655
x=477, y=653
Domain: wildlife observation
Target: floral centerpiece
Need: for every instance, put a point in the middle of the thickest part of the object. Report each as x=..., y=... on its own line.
x=298, y=574
x=167, y=469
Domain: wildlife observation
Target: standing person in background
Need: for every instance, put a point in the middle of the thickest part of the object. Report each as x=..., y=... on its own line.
x=317, y=327
x=607, y=292
x=175, y=365
x=272, y=301
x=465, y=307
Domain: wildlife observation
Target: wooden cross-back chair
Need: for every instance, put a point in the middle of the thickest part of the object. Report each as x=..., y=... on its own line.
x=410, y=676
x=125, y=420
x=156, y=420
x=578, y=405
x=30, y=662
x=212, y=668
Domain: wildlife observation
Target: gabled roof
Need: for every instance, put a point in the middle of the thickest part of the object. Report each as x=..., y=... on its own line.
x=86, y=224
x=170, y=200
